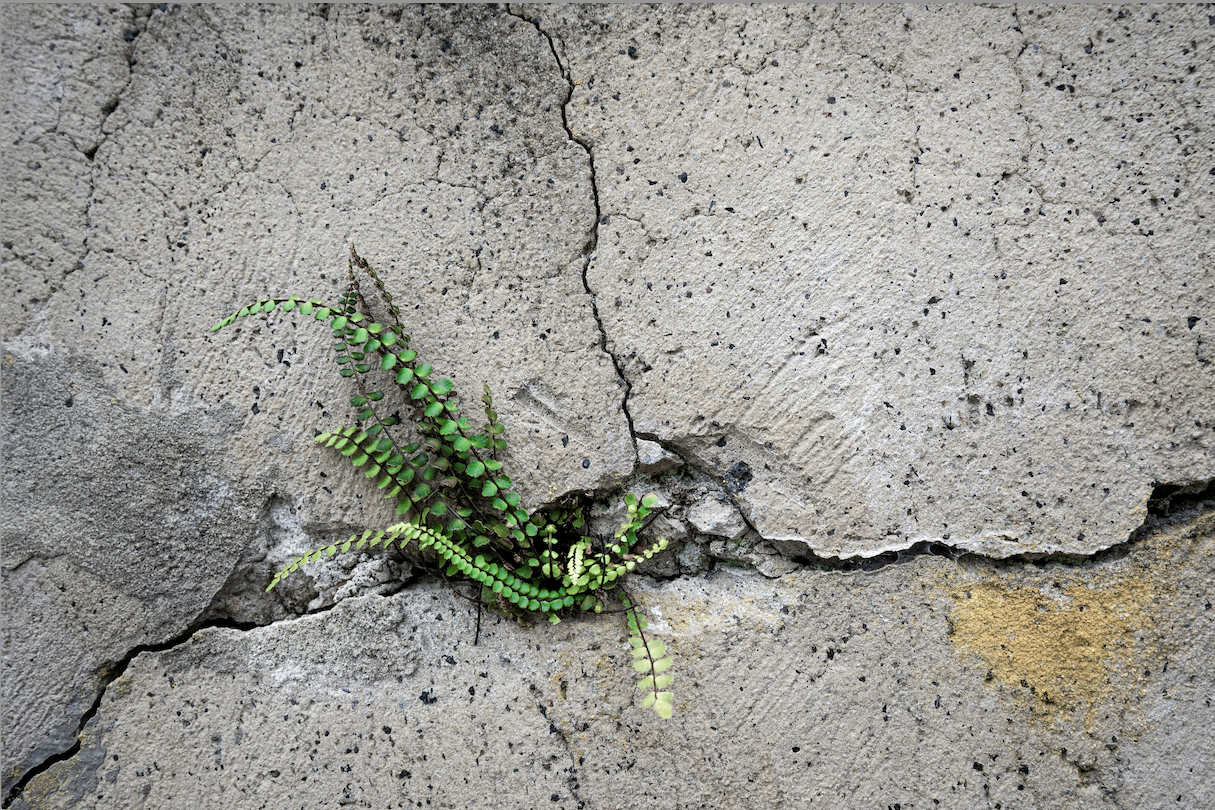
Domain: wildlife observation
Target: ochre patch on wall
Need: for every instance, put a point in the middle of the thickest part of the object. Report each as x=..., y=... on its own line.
x=1070, y=646
x=1075, y=640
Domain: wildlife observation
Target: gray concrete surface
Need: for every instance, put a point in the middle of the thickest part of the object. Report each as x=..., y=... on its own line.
x=839, y=282
x=875, y=252
x=815, y=689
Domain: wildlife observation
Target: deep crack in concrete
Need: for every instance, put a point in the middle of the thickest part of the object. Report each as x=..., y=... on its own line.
x=593, y=245
x=1166, y=500
x=140, y=21
x=109, y=673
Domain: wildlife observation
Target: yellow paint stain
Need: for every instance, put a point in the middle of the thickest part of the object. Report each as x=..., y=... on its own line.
x=1075, y=641
x=1071, y=650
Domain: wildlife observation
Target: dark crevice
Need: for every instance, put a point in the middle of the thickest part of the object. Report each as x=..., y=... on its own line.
x=878, y=561
x=110, y=672
x=593, y=244
x=1168, y=504
x=810, y=559
x=1173, y=499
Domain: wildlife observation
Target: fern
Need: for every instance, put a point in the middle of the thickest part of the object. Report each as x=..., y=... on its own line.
x=445, y=476
x=650, y=660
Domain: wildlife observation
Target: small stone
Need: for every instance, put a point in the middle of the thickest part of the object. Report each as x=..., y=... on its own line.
x=712, y=516
x=730, y=550
x=662, y=565
x=654, y=459
x=692, y=559
x=605, y=517
x=664, y=526
x=770, y=563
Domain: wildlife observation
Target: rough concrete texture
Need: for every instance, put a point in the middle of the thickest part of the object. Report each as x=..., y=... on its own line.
x=842, y=283
x=931, y=275
x=117, y=532
x=930, y=684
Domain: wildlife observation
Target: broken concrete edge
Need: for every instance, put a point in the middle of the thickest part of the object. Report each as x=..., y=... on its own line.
x=1163, y=497
x=89, y=724
x=107, y=673
x=1170, y=504
x=111, y=671
x=79, y=765
x=1162, y=501
x=723, y=548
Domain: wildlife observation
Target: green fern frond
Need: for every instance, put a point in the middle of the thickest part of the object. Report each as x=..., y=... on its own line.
x=402, y=533
x=368, y=540
x=447, y=475
x=386, y=297
x=649, y=659
x=377, y=457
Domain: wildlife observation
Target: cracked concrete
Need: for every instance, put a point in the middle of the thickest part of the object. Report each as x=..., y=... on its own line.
x=849, y=286
x=902, y=688
x=849, y=229
x=598, y=220
x=227, y=168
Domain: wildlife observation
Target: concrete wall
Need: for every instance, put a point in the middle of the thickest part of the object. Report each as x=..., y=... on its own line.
x=905, y=311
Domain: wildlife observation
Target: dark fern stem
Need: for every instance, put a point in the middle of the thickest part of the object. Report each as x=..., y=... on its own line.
x=458, y=504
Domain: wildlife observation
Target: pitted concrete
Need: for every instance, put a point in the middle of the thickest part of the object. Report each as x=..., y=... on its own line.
x=818, y=688
x=837, y=282
x=214, y=167
x=932, y=275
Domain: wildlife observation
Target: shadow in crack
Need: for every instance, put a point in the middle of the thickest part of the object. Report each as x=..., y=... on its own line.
x=1168, y=504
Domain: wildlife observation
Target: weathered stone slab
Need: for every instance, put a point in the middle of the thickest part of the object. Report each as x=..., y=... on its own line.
x=117, y=528
x=969, y=684
x=931, y=275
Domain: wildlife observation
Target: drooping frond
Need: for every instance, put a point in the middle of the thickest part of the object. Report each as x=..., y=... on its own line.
x=650, y=659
